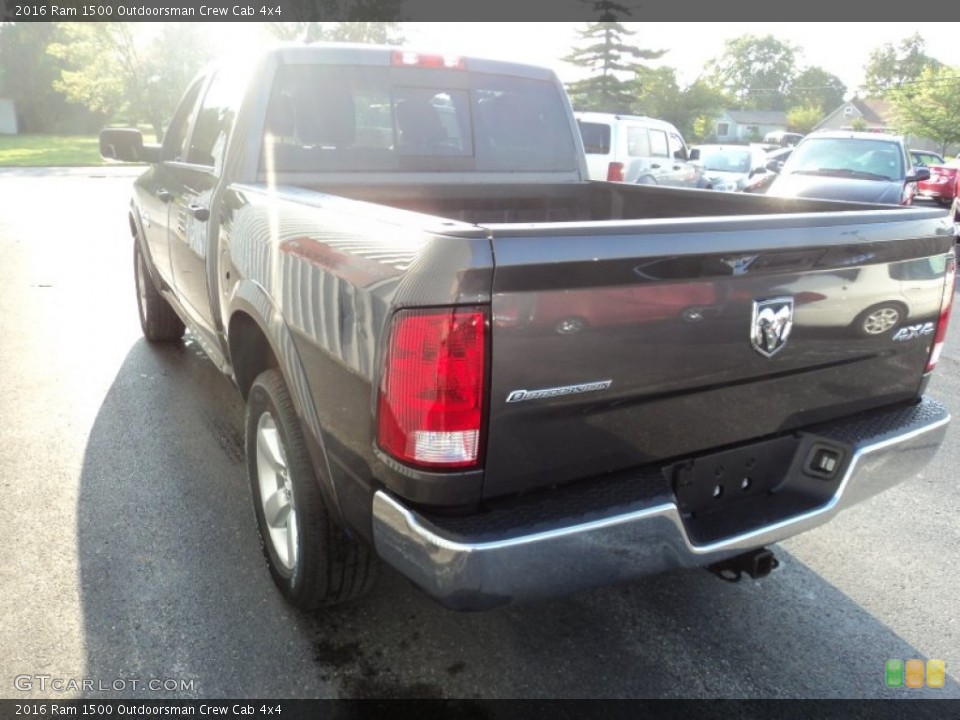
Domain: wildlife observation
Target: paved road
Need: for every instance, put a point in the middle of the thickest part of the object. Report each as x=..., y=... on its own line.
x=130, y=552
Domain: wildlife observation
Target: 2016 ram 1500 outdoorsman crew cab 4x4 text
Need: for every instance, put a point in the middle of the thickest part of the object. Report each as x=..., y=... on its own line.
x=462, y=358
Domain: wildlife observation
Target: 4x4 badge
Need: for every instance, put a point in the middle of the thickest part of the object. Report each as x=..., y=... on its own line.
x=771, y=325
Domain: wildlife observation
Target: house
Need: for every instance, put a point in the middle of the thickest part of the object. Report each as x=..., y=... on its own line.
x=744, y=126
x=874, y=116
x=870, y=115
x=8, y=117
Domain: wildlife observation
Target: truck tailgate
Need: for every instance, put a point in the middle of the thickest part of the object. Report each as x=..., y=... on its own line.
x=619, y=345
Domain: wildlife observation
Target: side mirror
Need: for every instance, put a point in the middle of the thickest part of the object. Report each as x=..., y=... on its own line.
x=126, y=145
x=919, y=175
x=774, y=165
x=694, y=154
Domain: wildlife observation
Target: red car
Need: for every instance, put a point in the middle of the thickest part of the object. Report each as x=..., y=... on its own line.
x=942, y=185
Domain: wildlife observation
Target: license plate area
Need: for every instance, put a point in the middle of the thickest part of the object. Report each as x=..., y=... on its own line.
x=741, y=489
x=714, y=482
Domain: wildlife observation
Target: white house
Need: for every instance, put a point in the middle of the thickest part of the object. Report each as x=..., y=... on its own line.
x=743, y=126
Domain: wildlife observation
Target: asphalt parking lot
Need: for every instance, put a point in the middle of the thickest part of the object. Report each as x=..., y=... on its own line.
x=130, y=549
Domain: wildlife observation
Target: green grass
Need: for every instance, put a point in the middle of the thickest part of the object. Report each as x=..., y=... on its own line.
x=49, y=150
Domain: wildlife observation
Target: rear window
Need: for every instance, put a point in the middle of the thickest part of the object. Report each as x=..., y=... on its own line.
x=335, y=118
x=596, y=137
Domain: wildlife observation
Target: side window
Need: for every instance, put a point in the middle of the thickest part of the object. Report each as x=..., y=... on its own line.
x=174, y=143
x=212, y=129
x=658, y=143
x=677, y=149
x=638, y=142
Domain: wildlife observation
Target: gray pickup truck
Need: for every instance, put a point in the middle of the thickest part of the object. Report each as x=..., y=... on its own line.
x=462, y=358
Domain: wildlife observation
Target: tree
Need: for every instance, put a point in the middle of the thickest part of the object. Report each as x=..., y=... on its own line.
x=118, y=71
x=815, y=87
x=379, y=33
x=930, y=108
x=757, y=71
x=892, y=68
x=804, y=118
x=28, y=74
x=657, y=93
x=608, y=56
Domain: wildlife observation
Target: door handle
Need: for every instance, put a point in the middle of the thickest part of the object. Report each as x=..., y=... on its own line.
x=654, y=166
x=200, y=212
x=164, y=195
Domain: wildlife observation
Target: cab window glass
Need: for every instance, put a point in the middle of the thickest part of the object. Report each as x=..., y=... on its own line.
x=677, y=150
x=212, y=129
x=596, y=138
x=638, y=142
x=174, y=143
x=658, y=143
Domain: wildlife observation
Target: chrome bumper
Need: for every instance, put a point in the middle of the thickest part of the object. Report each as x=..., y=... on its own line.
x=480, y=574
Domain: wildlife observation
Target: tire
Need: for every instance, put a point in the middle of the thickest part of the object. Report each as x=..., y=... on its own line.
x=944, y=203
x=157, y=319
x=879, y=319
x=311, y=560
x=646, y=180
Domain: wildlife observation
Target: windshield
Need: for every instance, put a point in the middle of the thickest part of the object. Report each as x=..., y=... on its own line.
x=857, y=158
x=325, y=118
x=732, y=160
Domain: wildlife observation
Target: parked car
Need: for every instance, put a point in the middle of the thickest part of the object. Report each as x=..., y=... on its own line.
x=729, y=167
x=942, y=185
x=637, y=149
x=782, y=139
x=853, y=166
x=871, y=300
x=761, y=182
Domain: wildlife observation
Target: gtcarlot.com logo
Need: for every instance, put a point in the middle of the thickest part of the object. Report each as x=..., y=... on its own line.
x=44, y=683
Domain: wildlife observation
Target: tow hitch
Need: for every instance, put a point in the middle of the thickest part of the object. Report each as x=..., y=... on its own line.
x=756, y=563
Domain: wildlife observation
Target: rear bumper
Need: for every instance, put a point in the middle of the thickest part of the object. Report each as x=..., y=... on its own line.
x=502, y=562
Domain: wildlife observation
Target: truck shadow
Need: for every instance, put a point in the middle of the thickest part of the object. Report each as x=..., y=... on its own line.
x=174, y=589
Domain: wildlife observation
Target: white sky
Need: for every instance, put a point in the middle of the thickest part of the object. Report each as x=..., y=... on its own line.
x=839, y=48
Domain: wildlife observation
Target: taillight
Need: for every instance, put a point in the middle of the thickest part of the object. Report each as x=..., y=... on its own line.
x=949, y=288
x=615, y=172
x=416, y=59
x=430, y=407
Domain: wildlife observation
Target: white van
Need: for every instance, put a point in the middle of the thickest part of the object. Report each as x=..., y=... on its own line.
x=635, y=149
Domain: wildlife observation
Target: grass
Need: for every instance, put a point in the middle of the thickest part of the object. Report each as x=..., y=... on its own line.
x=49, y=150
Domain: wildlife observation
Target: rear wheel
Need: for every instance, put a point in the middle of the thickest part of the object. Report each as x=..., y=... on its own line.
x=944, y=202
x=157, y=319
x=312, y=560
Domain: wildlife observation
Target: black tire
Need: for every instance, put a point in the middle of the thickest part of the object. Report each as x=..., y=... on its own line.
x=944, y=203
x=879, y=319
x=311, y=559
x=646, y=180
x=157, y=319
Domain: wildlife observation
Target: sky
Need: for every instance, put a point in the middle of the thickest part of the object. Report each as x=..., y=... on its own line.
x=839, y=48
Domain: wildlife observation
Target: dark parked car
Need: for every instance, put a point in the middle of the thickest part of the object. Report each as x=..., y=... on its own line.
x=942, y=185
x=761, y=182
x=859, y=167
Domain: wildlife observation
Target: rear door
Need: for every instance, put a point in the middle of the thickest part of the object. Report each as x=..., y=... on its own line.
x=619, y=347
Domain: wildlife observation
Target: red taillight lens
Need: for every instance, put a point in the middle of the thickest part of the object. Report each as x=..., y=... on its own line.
x=430, y=409
x=415, y=59
x=945, y=307
x=615, y=172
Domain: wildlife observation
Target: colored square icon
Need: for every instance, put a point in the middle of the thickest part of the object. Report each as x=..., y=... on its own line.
x=936, y=673
x=894, y=673
x=914, y=673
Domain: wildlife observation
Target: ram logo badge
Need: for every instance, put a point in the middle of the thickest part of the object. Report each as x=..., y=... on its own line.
x=912, y=332
x=771, y=325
